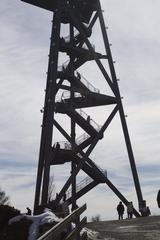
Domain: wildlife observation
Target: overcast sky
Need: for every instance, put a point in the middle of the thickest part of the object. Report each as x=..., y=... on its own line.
x=24, y=44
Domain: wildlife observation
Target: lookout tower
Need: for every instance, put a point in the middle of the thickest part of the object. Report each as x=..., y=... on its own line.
x=78, y=18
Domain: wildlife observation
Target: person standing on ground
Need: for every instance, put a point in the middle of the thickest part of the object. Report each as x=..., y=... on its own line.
x=130, y=210
x=148, y=212
x=120, y=210
x=29, y=212
x=158, y=198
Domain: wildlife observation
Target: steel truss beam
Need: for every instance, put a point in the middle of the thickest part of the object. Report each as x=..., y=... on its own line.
x=71, y=13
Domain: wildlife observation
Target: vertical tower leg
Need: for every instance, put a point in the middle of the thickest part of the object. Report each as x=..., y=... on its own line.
x=81, y=17
x=121, y=111
x=45, y=155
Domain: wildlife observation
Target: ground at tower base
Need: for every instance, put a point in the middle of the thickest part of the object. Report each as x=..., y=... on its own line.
x=144, y=228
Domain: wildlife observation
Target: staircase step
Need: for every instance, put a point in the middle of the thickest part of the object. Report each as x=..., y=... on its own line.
x=79, y=51
x=92, y=100
x=83, y=121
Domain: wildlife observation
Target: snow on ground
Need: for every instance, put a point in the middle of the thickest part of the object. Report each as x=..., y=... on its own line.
x=38, y=220
x=127, y=227
x=90, y=233
x=93, y=235
x=50, y=217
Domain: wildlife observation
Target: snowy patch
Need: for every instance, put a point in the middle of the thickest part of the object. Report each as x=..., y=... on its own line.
x=37, y=220
x=93, y=235
x=123, y=227
x=16, y=219
x=90, y=233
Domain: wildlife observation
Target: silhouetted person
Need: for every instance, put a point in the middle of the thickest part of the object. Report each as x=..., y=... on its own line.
x=120, y=210
x=88, y=119
x=143, y=211
x=78, y=75
x=64, y=197
x=148, y=212
x=57, y=145
x=158, y=198
x=56, y=195
x=29, y=212
x=130, y=210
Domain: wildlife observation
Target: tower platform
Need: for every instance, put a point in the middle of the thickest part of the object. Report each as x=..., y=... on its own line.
x=83, y=8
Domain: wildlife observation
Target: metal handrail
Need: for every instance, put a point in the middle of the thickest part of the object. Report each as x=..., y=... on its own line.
x=55, y=231
x=67, y=146
x=87, y=118
x=83, y=114
x=76, y=33
x=84, y=183
x=67, y=38
x=88, y=84
x=82, y=138
x=81, y=78
x=63, y=66
x=79, y=186
x=66, y=95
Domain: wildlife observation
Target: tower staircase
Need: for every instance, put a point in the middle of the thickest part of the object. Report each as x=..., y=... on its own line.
x=84, y=186
x=80, y=18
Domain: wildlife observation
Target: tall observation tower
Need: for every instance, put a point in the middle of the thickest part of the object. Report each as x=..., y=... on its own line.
x=78, y=18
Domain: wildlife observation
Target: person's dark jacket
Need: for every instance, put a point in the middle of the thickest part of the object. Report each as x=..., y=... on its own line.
x=120, y=208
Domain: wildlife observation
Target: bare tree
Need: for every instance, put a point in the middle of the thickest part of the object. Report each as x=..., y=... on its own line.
x=4, y=200
x=51, y=189
x=96, y=218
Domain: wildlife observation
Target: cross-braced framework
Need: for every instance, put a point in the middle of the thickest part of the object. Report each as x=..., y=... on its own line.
x=79, y=17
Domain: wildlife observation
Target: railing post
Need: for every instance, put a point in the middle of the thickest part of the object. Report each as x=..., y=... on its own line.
x=54, y=232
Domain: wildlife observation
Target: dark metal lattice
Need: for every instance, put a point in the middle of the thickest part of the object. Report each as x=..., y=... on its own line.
x=81, y=17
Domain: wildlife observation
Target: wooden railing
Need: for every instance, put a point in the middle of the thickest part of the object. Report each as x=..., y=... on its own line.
x=60, y=230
